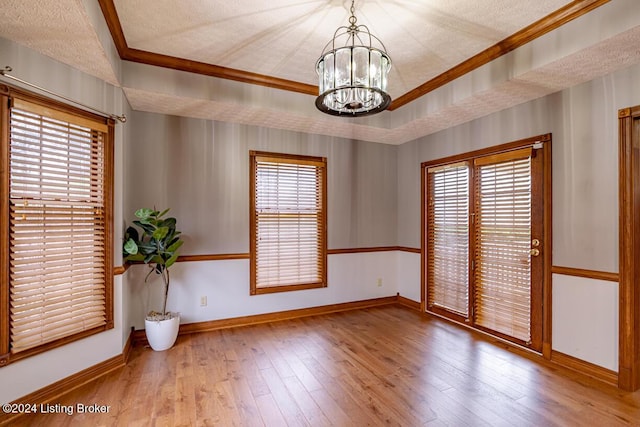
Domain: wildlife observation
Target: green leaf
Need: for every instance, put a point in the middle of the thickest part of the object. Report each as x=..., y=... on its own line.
x=146, y=248
x=161, y=214
x=160, y=233
x=130, y=247
x=144, y=213
x=131, y=233
x=134, y=258
x=171, y=260
x=174, y=246
x=169, y=222
x=146, y=228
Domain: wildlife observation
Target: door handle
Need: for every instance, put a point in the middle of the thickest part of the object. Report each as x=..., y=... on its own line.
x=534, y=252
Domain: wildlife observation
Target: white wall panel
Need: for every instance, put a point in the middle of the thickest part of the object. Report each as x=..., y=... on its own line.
x=351, y=277
x=585, y=319
x=409, y=275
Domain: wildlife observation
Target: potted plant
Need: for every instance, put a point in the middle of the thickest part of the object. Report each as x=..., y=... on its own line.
x=157, y=246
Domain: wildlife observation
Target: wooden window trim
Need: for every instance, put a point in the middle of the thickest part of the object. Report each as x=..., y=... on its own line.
x=255, y=156
x=546, y=248
x=78, y=116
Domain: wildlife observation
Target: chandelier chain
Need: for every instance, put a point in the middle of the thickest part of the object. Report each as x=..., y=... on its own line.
x=352, y=18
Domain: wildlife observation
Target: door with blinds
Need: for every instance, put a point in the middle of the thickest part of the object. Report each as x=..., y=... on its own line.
x=507, y=273
x=484, y=223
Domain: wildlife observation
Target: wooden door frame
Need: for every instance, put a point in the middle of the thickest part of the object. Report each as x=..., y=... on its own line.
x=629, y=247
x=546, y=247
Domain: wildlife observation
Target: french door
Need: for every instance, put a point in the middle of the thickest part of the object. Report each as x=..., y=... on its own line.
x=484, y=241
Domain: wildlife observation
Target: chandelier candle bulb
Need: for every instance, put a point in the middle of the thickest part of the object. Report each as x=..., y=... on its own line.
x=352, y=73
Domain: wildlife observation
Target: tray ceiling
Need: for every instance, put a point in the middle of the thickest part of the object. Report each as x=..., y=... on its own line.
x=242, y=54
x=284, y=38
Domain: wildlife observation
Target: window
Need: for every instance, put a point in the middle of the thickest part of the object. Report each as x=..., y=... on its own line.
x=288, y=222
x=484, y=236
x=448, y=237
x=55, y=264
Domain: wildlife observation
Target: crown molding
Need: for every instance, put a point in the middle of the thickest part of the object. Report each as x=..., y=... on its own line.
x=549, y=23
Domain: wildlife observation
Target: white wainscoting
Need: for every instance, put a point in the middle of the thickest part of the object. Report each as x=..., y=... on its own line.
x=409, y=275
x=225, y=284
x=585, y=319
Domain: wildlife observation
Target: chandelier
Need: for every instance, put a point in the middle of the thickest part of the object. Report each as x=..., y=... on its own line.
x=352, y=75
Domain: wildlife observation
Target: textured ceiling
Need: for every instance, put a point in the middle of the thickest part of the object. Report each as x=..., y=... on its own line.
x=282, y=39
x=60, y=29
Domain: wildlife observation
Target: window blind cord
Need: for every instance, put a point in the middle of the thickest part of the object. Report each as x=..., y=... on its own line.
x=3, y=72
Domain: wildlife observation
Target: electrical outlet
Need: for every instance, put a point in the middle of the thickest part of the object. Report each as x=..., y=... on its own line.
x=203, y=301
x=379, y=282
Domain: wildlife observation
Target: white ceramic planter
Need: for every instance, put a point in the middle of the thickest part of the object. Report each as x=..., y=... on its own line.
x=161, y=334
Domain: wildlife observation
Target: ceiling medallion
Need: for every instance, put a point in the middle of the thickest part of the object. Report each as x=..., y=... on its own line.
x=352, y=76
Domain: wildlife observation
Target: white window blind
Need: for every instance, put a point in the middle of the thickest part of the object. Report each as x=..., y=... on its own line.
x=56, y=225
x=448, y=238
x=502, y=296
x=288, y=220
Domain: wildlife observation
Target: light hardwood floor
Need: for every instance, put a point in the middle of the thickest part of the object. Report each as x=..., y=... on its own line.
x=378, y=366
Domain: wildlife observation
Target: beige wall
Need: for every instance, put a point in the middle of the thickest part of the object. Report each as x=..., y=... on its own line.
x=200, y=169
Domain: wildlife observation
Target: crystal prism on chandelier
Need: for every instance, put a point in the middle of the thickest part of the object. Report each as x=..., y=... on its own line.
x=352, y=76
